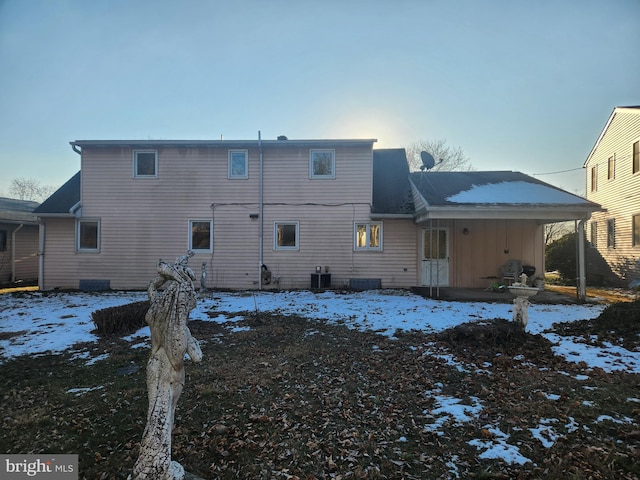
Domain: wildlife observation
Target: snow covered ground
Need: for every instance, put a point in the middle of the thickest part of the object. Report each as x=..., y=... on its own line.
x=35, y=324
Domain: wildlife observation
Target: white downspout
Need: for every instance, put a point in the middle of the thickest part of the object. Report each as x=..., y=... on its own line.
x=260, y=213
x=580, y=264
x=13, y=252
x=41, y=231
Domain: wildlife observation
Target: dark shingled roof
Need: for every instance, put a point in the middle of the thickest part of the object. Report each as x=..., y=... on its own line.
x=17, y=211
x=61, y=201
x=391, y=189
x=438, y=187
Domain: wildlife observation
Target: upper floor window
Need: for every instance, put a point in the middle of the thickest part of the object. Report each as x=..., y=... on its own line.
x=88, y=235
x=636, y=157
x=322, y=164
x=611, y=233
x=368, y=236
x=145, y=164
x=636, y=230
x=611, y=167
x=594, y=234
x=201, y=236
x=238, y=164
x=286, y=235
x=594, y=178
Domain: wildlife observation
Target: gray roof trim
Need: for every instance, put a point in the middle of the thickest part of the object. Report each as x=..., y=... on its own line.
x=325, y=143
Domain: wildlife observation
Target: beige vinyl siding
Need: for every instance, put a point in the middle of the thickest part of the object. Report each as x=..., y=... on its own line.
x=60, y=267
x=23, y=254
x=26, y=256
x=621, y=198
x=478, y=256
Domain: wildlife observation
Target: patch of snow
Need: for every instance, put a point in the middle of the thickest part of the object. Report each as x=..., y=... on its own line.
x=516, y=193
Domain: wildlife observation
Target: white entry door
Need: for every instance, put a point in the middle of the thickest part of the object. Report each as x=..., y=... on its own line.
x=435, y=257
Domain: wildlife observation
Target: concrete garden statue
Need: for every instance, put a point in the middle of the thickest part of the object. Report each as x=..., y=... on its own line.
x=167, y=317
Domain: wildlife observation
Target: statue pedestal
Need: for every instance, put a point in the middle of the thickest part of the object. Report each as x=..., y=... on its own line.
x=521, y=303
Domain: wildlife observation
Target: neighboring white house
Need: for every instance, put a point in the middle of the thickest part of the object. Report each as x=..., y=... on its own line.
x=612, y=173
x=273, y=213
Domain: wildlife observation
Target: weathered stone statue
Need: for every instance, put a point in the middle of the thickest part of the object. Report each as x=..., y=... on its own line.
x=170, y=340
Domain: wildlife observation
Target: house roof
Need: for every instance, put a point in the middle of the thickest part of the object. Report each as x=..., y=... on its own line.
x=391, y=188
x=17, y=211
x=62, y=200
x=218, y=143
x=499, y=194
x=635, y=109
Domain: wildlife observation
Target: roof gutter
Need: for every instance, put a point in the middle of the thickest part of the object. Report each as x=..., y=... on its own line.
x=74, y=146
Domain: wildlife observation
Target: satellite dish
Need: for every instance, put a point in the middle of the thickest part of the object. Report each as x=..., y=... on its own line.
x=428, y=161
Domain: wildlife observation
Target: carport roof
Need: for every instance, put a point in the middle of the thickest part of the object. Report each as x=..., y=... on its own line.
x=494, y=194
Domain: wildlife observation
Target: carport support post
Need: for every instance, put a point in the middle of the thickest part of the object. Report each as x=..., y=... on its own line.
x=580, y=264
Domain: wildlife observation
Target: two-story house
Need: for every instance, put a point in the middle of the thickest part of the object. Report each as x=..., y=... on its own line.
x=289, y=214
x=612, y=173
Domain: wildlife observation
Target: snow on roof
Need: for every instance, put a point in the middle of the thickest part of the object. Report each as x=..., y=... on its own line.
x=518, y=192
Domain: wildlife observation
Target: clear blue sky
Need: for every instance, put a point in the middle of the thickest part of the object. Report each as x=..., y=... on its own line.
x=518, y=85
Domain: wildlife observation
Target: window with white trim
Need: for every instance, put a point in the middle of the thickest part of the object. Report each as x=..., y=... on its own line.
x=611, y=233
x=145, y=164
x=322, y=164
x=611, y=167
x=286, y=236
x=635, y=225
x=201, y=235
x=368, y=236
x=594, y=178
x=594, y=235
x=636, y=157
x=88, y=235
x=238, y=164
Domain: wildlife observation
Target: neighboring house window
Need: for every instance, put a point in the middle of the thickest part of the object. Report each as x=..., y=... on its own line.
x=322, y=164
x=611, y=233
x=3, y=240
x=88, y=235
x=286, y=236
x=594, y=178
x=636, y=157
x=145, y=164
x=611, y=168
x=238, y=160
x=368, y=236
x=201, y=236
x=594, y=234
x=636, y=230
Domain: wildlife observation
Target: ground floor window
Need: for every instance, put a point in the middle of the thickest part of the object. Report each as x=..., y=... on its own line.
x=286, y=235
x=201, y=236
x=611, y=233
x=594, y=235
x=88, y=235
x=636, y=230
x=368, y=236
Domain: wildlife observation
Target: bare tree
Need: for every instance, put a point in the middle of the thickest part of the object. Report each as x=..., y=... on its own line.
x=554, y=231
x=447, y=158
x=30, y=189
